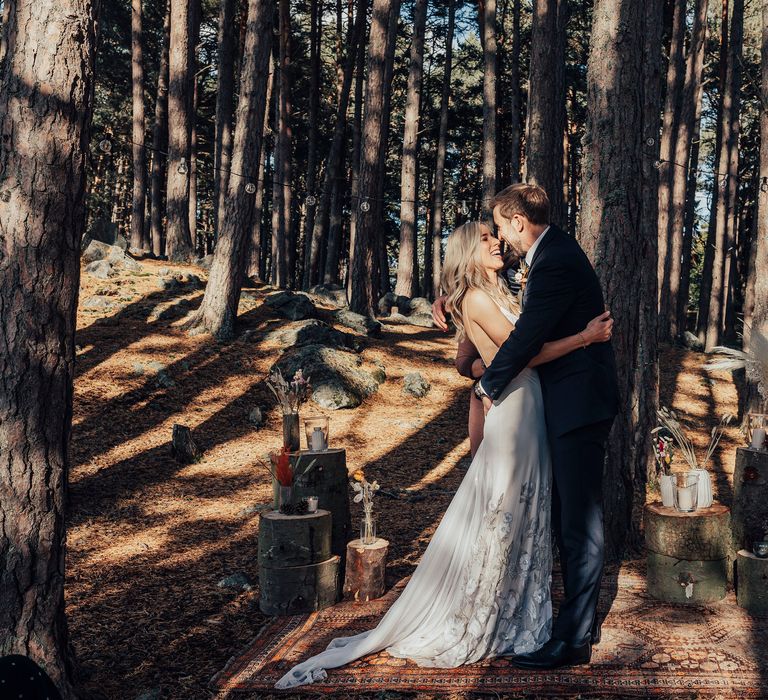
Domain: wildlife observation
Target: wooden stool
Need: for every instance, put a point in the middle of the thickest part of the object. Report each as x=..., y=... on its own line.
x=688, y=553
x=750, y=497
x=297, y=571
x=752, y=582
x=366, y=566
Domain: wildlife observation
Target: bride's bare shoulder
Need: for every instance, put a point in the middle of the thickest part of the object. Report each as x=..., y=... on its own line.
x=478, y=301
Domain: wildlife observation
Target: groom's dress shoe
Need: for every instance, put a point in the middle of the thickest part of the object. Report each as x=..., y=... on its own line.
x=555, y=654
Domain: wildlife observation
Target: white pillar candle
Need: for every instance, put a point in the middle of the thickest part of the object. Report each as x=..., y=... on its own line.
x=758, y=438
x=685, y=498
x=318, y=440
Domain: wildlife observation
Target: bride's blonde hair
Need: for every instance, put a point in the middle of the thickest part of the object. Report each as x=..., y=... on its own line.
x=463, y=270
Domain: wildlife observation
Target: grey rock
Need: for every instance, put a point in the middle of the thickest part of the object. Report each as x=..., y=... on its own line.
x=96, y=250
x=255, y=417
x=128, y=263
x=692, y=342
x=239, y=581
x=312, y=332
x=337, y=377
x=391, y=299
x=194, y=281
x=97, y=303
x=156, y=366
x=331, y=293
x=163, y=380
x=100, y=269
x=205, y=262
x=415, y=385
x=290, y=305
x=164, y=271
x=138, y=369
x=357, y=322
x=423, y=320
x=168, y=283
x=419, y=305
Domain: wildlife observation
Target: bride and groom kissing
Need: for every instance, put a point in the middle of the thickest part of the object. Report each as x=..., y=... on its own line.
x=550, y=392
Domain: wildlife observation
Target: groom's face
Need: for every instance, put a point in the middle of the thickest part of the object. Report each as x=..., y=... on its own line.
x=509, y=229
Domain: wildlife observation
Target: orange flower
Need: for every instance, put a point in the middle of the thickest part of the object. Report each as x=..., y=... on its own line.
x=282, y=462
x=358, y=475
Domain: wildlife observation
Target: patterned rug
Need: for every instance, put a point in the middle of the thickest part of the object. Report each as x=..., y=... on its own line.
x=648, y=649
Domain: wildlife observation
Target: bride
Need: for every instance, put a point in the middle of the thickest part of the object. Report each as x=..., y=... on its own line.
x=482, y=587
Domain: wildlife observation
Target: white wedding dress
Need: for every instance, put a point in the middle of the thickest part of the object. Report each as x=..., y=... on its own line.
x=482, y=588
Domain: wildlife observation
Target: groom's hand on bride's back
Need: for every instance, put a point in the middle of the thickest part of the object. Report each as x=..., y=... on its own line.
x=439, y=312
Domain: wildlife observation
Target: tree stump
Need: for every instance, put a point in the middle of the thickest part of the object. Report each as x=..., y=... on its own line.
x=750, y=498
x=183, y=447
x=688, y=553
x=294, y=540
x=365, y=570
x=328, y=479
x=297, y=572
x=752, y=582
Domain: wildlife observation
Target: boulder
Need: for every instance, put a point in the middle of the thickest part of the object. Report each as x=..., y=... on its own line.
x=331, y=293
x=412, y=320
x=290, y=305
x=205, y=262
x=391, y=299
x=337, y=377
x=357, y=322
x=96, y=250
x=239, y=581
x=100, y=269
x=313, y=332
x=117, y=257
x=107, y=232
x=97, y=302
x=415, y=385
x=692, y=342
x=420, y=306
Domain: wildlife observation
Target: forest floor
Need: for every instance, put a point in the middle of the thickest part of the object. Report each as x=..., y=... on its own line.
x=149, y=539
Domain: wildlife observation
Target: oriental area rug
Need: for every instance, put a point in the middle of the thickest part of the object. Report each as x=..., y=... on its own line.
x=648, y=649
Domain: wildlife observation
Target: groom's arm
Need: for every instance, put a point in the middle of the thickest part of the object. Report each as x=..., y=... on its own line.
x=549, y=295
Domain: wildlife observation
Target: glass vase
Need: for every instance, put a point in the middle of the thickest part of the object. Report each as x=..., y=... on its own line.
x=285, y=495
x=291, y=431
x=368, y=529
x=686, y=492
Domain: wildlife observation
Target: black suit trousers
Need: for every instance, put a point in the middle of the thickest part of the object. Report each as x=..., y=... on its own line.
x=577, y=521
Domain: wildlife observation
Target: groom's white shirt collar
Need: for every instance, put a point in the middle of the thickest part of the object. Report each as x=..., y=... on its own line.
x=532, y=250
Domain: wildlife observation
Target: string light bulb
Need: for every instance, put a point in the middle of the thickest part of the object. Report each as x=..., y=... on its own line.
x=464, y=209
x=183, y=168
x=764, y=184
x=250, y=188
x=657, y=164
x=105, y=145
x=422, y=210
x=365, y=206
x=650, y=140
x=311, y=200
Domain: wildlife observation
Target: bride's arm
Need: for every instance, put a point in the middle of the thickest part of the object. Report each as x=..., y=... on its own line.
x=479, y=308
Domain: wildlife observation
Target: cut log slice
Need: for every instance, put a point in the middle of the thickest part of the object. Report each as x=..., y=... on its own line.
x=294, y=590
x=675, y=580
x=701, y=536
x=365, y=570
x=750, y=497
x=752, y=582
x=294, y=540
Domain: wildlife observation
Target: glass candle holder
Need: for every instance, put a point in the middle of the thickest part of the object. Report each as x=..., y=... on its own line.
x=368, y=529
x=312, y=502
x=316, y=444
x=756, y=426
x=686, y=492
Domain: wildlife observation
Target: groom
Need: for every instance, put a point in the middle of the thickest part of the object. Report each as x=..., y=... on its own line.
x=561, y=295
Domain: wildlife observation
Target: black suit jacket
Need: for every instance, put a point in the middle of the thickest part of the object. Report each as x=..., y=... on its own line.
x=562, y=295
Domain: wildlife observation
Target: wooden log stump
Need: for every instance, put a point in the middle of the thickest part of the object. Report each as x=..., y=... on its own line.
x=750, y=498
x=752, y=582
x=294, y=540
x=293, y=590
x=688, y=553
x=328, y=479
x=365, y=570
x=183, y=447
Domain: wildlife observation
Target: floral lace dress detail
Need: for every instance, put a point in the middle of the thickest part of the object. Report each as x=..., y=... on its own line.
x=482, y=587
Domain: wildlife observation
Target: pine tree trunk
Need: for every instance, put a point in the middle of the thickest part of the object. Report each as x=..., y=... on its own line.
x=546, y=105
x=690, y=111
x=515, y=98
x=316, y=27
x=218, y=311
x=139, y=163
x=364, y=262
x=225, y=105
x=159, y=138
x=407, y=281
x=618, y=230
x=357, y=136
x=433, y=251
x=488, y=28
x=192, y=213
x=178, y=240
x=46, y=88
x=668, y=242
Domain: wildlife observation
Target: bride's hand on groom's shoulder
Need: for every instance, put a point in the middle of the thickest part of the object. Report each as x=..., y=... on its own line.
x=439, y=311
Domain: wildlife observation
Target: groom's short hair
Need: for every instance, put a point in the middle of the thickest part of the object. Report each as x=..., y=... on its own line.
x=530, y=201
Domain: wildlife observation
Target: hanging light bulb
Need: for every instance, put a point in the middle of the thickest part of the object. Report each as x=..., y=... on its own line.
x=650, y=140
x=250, y=188
x=464, y=209
x=311, y=200
x=183, y=168
x=422, y=210
x=764, y=184
x=657, y=164
x=105, y=145
x=365, y=206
